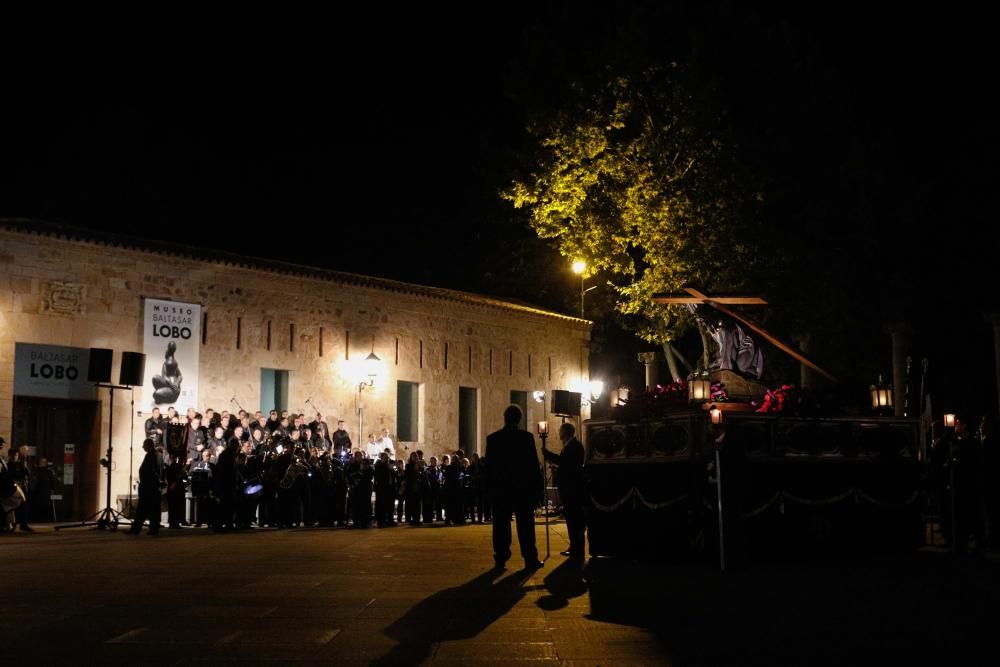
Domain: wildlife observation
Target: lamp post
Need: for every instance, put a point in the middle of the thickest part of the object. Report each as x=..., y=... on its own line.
x=882, y=399
x=949, y=423
x=580, y=268
x=543, y=433
x=371, y=365
x=699, y=388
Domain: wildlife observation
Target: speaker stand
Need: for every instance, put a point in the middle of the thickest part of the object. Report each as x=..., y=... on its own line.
x=107, y=518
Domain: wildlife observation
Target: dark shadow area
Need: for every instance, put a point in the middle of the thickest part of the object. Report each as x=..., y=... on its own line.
x=919, y=607
x=461, y=612
x=562, y=583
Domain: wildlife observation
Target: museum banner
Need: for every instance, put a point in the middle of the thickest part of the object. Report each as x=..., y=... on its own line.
x=171, y=338
x=52, y=371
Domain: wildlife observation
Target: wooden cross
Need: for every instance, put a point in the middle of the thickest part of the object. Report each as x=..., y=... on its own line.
x=695, y=296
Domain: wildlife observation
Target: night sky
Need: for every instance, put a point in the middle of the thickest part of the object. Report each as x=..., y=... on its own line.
x=377, y=141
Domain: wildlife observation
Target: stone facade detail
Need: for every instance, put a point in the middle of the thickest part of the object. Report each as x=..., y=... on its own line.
x=86, y=294
x=64, y=298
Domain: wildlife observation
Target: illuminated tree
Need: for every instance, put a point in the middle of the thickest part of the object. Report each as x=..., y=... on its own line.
x=636, y=177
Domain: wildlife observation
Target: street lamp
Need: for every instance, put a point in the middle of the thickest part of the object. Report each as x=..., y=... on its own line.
x=716, y=414
x=699, y=388
x=372, y=364
x=580, y=268
x=590, y=390
x=596, y=389
x=619, y=396
x=882, y=399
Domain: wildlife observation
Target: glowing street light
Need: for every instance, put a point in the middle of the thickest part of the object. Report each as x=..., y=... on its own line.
x=580, y=268
x=596, y=389
x=372, y=365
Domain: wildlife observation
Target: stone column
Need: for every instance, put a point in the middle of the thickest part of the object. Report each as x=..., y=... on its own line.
x=995, y=318
x=649, y=359
x=807, y=376
x=898, y=331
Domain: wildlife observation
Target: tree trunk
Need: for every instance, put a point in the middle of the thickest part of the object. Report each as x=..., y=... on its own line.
x=680, y=358
x=668, y=350
x=668, y=353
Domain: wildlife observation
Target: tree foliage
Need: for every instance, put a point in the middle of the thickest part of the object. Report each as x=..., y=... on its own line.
x=636, y=176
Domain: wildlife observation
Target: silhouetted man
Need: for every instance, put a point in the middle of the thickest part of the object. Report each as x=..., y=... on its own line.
x=150, y=478
x=570, y=462
x=514, y=481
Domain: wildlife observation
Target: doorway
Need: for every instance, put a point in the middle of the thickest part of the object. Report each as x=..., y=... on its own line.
x=66, y=433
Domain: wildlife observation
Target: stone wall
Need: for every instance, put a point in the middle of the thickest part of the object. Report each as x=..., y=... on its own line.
x=86, y=294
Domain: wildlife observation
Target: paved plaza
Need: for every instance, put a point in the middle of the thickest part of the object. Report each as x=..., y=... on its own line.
x=427, y=596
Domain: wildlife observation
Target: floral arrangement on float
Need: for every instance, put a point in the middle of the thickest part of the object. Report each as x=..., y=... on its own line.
x=659, y=401
x=665, y=399
x=783, y=400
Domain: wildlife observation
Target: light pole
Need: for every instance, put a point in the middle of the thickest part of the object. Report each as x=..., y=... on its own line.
x=543, y=433
x=372, y=364
x=580, y=268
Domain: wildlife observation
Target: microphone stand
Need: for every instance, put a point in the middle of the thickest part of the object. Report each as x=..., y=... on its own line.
x=320, y=412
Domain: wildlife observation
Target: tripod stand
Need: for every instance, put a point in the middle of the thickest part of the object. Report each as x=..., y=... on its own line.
x=107, y=518
x=128, y=509
x=545, y=496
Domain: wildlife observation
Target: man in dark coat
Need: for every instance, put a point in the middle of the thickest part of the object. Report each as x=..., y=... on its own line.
x=150, y=478
x=570, y=462
x=515, y=483
x=154, y=427
x=224, y=481
x=341, y=439
x=385, y=491
x=177, y=482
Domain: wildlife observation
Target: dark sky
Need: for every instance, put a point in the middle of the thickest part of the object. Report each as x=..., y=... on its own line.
x=376, y=140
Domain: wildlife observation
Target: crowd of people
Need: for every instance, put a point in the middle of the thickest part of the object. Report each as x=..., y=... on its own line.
x=288, y=470
x=239, y=471
x=19, y=481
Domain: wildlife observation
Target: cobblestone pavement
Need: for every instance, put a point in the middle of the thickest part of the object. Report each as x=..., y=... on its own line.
x=426, y=595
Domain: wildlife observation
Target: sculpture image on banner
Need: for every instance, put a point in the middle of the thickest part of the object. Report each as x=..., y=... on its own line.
x=168, y=383
x=171, y=333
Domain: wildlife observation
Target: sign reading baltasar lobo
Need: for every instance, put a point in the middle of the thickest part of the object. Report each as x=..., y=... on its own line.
x=171, y=339
x=52, y=371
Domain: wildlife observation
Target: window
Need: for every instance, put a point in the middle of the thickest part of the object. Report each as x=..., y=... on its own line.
x=273, y=389
x=468, y=419
x=520, y=399
x=407, y=411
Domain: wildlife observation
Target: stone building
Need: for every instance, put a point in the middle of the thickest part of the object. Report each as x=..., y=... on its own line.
x=269, y=335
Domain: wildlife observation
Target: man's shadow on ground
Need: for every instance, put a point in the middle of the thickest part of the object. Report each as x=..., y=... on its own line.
x=563, y=583
x=461, y=612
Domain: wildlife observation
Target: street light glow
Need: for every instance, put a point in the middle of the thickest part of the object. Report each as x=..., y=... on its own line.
x=579, y=266
x=596, y=389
